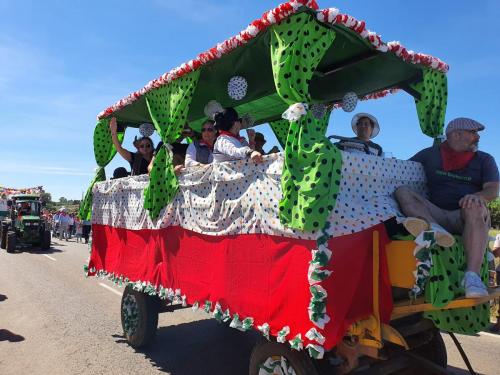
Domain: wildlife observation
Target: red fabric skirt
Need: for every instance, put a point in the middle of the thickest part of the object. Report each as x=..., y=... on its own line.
x=254, y=275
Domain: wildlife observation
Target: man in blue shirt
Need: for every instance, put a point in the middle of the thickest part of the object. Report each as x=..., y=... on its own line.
x=461, y=181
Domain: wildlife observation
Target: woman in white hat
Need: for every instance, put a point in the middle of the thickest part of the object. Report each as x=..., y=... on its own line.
x=366, y=127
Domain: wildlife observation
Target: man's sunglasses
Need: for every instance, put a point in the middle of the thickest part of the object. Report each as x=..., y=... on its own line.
x=147, y=145
x=207, y=130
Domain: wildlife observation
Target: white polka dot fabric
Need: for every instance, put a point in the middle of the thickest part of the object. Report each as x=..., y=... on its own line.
x=366, y=191
x=240, y=197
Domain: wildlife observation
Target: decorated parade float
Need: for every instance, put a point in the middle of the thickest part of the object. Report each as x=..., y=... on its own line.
x=305, y=247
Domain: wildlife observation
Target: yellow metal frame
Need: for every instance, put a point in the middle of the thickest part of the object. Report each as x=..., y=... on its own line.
x=419, y=305
x=370, y=333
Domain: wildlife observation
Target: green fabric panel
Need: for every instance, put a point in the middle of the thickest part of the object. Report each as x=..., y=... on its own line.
x=444, y=285
x=280, y=129
x=85, y=211
x=431, y=108
x=163, y=184
x=168, y=107
x=311, y=175
x=312, y=167
x=104, y=150
x=297, y=46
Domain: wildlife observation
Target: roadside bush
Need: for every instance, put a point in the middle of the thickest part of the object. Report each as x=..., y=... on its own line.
x=494, y=207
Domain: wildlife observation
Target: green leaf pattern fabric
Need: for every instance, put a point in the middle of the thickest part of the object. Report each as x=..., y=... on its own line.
x=104, y=151
x=312, y=168
x=85, y=211
x=311, y=175
x=431, y=108
x=168, y=107
x=444, y=285
x=280, y=129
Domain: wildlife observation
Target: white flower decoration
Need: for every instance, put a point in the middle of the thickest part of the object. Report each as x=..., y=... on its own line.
x=146, y=129
x=295, y=112
x=237, y=87
x=349, y=101
x=211, y=108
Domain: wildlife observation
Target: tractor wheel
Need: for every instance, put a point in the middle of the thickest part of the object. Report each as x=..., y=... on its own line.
x=11, y=242
x=46, y=240
x=276, y=358
x=3, y=236
x=139, y=315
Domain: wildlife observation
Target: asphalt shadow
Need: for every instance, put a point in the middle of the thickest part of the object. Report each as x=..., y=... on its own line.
x=200, y=348
x=38, y=251
x=6, y=335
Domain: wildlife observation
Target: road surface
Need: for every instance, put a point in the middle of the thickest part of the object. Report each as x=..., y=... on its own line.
x=55, y=321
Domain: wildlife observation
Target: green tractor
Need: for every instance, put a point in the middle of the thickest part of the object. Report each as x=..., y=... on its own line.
x=24, y=226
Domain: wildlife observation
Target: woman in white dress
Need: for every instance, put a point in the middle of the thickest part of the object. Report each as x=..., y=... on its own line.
x=229, y=145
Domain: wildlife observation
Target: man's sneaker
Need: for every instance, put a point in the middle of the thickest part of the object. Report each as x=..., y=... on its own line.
x=474, y=287
x=415, y=225
x=443, y=237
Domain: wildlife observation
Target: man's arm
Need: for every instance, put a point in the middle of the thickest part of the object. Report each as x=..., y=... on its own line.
x=489, y=192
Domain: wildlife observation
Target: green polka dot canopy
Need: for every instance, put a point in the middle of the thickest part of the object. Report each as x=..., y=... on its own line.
x=168, y=107
x=312, y=168
x=431, y=107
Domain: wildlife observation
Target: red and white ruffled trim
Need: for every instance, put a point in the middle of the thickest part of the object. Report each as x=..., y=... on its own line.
x=333, y=16
x=270, y=18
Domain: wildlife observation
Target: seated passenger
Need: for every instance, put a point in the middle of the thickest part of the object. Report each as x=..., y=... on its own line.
x=139, y=160
x=119, y=172
x=178, y=156
x=200, y=151
x=366, y=127
x=260, y=141
x=461, y=181
x=229, y=145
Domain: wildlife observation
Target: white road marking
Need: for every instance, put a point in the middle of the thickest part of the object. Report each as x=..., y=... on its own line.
x=110, y=289
x=48, y=256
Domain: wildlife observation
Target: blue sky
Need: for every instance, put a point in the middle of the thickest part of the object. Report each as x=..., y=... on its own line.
x=63, y=62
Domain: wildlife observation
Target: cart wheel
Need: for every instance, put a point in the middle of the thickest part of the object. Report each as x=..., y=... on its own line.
x=139, y=315
x=3, y=236
x=11, y=242
x=271, y=358
x=434, y=351
x=46, y=240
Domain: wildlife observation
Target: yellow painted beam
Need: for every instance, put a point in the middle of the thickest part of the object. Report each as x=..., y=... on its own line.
x=405, y=308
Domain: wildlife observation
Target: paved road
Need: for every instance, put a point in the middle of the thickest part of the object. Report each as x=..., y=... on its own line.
x=54, y=321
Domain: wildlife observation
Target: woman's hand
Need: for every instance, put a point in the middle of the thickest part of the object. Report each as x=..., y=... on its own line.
x=113, y=126
x=178, y=169
x=256, y=157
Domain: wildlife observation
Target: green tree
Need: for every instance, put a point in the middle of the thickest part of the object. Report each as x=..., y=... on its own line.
x=63, y=200
x=494, y=207
x=46, y=198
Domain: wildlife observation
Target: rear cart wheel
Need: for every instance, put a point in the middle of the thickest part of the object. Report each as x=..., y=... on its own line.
x=272, y=358
x=11, y=242
x=139, y=315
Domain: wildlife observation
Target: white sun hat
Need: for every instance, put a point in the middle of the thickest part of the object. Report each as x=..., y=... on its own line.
x=358, y=116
